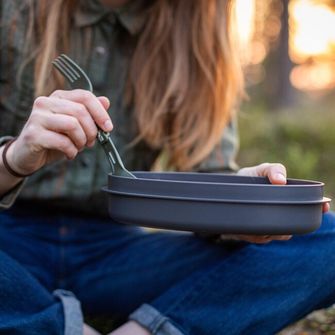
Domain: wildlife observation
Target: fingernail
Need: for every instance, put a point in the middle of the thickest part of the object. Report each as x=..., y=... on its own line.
x=280, y=177
x=108, y=125
x=285, y=238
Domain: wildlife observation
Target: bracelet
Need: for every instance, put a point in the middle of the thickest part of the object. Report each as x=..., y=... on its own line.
x=5, y=162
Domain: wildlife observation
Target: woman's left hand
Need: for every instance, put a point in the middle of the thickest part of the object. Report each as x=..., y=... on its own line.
x=277, y=175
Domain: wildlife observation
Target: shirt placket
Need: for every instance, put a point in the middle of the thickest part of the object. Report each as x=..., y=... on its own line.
x=97, y=69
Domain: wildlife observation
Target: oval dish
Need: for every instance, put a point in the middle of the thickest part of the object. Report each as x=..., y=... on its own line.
x=216, y=203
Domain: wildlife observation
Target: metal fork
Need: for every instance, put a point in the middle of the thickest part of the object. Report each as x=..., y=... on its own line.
x=77, y=78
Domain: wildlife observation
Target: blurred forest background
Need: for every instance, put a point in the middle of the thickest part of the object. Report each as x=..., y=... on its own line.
x=289, y=60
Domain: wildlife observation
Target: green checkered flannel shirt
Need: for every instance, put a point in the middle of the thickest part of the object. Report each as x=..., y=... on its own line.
x=77, y=184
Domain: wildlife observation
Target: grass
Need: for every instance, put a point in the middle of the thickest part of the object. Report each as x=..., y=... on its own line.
x=303, y=139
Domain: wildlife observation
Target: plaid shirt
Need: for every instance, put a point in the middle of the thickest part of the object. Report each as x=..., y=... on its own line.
x=106, y=59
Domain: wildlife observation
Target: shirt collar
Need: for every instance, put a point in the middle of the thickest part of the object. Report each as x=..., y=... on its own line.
x=90, y=12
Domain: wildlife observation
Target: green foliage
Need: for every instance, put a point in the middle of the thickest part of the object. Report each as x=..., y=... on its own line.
x=302, y=139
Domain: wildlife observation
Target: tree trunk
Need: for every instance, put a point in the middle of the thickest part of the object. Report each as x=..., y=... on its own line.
x=285, y=91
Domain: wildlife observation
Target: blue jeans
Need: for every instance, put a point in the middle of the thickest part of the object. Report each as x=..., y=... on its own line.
x=171, y=283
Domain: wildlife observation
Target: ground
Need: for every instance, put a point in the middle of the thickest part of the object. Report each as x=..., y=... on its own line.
x=317, y=323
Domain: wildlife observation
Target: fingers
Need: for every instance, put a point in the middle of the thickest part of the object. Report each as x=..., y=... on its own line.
x=67, y=107
x=67, y=125
x=95, y=106
x=281, y=237
x=263, y=239
x=326, y=207
x=105, y=102
x=276, y=172
x=255, y=239
x=63, y=123
x=55, y=141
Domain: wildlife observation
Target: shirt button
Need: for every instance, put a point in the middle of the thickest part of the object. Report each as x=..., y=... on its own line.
x=85, y=161
x=101, y=51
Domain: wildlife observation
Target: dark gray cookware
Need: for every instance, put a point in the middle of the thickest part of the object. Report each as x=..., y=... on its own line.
x=216, y=203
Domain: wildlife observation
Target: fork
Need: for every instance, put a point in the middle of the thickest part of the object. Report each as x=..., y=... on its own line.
x=77, y=78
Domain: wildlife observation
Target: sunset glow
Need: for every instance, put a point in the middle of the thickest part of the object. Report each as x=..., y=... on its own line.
x=313, y=77
x=311, y=41
x=312, y=44
x=245, y=13
x=314, y=29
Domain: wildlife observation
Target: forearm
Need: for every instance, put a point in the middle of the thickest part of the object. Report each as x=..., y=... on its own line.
x=7, y=181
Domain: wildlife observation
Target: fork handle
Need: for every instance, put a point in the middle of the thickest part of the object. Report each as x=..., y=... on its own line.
x=105, y=140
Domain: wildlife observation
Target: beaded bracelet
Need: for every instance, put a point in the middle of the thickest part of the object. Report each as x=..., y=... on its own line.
x=5, y=161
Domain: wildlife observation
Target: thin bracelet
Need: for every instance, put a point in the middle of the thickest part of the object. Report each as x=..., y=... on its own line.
x=5, y=161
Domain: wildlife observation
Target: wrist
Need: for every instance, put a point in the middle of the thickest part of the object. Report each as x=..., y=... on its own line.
x=8, y=153
x=5, y=176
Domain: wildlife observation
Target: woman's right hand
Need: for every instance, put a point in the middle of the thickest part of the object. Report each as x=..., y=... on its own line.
x=60, y=125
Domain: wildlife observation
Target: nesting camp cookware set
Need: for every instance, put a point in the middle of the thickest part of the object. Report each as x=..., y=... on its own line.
x=201, y=202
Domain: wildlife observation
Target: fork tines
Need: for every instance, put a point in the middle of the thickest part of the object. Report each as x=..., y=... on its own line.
x=62, y=64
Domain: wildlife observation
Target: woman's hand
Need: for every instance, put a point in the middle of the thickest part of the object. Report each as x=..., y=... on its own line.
x=277, y=175
x=59, y=126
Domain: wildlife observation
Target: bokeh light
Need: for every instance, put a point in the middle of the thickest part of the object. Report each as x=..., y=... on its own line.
x=311, y=40
x=245, y=18
x=313, y=29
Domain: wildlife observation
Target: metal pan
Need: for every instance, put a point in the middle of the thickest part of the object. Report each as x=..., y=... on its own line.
x=216, y=203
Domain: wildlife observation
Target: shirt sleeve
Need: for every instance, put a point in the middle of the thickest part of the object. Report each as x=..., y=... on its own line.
x=223, y=156
x=7, y=200
x=8, y=9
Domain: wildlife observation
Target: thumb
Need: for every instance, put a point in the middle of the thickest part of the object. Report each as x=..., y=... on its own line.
x=105, y=102
x=277, y=174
